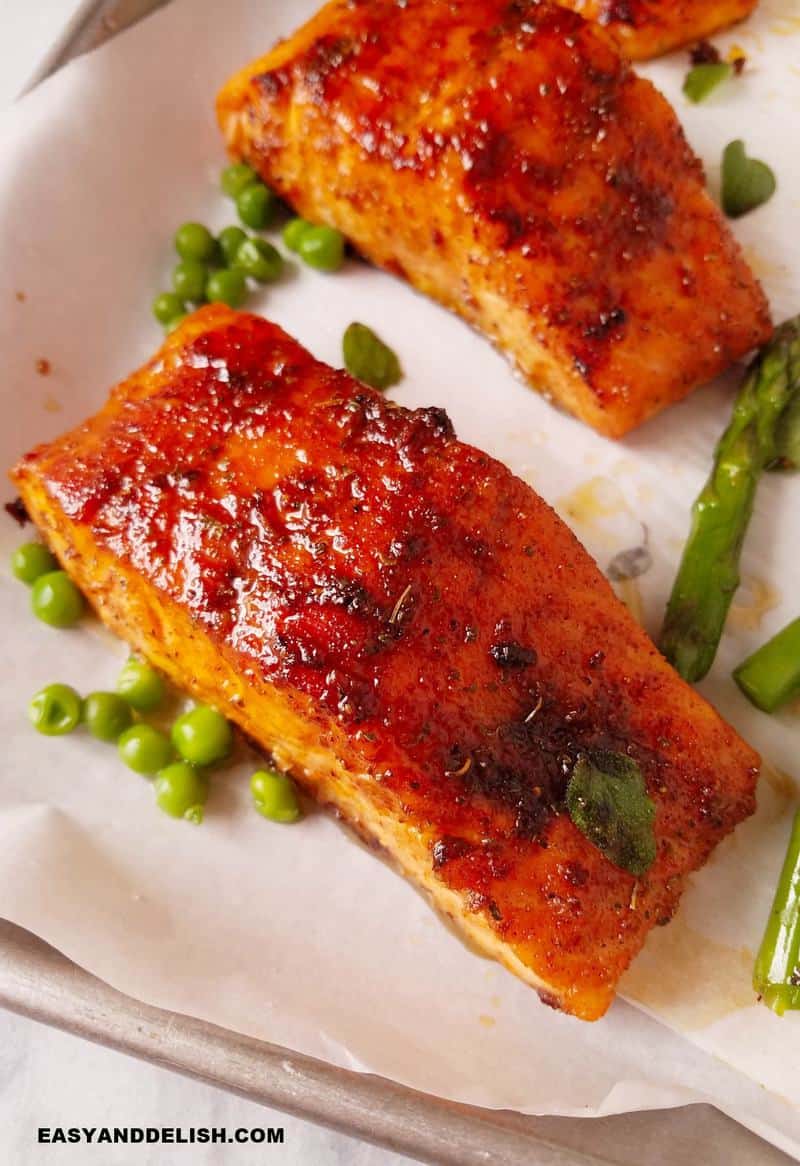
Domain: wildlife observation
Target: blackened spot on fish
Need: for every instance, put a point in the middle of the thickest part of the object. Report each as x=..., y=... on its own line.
x=437, y=421
x=550, y=1000
x=510, y=654
x=618, y=12
x=477, y=548
x=273, y=83
x=606, y=322
x=347, y=593
x=515, y=226
x=574, y=874
x=325, y=59
x=449, y=848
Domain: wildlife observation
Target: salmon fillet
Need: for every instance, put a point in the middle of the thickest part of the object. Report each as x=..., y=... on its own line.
x=506, y=161
x=404, y=625
x=647, y=28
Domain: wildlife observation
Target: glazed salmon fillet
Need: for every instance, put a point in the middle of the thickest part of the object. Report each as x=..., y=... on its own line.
x=404, y=625
x=648, y=28
x=507, y=162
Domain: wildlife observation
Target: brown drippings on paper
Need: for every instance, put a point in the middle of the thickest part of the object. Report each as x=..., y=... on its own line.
x=21, y=297
x=43, y=366
x=689, y=978
x=762, y=597
x=782, y=783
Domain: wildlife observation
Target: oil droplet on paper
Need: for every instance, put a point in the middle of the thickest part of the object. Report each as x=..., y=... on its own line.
x=689, y=978
x=597, y=498
x=755, y=598
x=788, y=25
x=486, y=1020
x=51, y=404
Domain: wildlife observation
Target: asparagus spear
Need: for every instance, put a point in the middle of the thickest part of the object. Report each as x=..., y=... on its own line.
x=787, y=437
x=771, y=676
x=709, y=572
x=776, y=976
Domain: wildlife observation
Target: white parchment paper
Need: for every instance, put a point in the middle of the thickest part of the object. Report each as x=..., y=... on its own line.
x=298, y=934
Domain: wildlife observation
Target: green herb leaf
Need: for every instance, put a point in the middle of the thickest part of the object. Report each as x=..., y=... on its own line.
x=607, y=800
x=704, y=79
x=369, y=359
x=746, y=182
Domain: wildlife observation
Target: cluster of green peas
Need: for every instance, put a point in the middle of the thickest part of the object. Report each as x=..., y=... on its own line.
x=216, y=269
x=201, y=737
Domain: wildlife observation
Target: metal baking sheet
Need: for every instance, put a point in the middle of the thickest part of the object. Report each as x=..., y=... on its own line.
x=38, y=982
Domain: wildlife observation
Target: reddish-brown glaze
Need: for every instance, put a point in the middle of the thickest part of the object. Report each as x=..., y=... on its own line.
x=431, y=606
x=505, y=159
x=647, y=28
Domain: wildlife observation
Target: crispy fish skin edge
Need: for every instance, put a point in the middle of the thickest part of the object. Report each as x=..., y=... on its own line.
x=646, y=30
x=286, y=724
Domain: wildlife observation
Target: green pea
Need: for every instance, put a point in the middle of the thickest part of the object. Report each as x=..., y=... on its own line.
x=259, y=259
x=189, y=280
x=32, y=560
x=181, y=791
x=256, y=205
x=56, y=600
x=274, y=796
x=227, y=286
x=368, y=358
x=322, y=248
x=140, y=685
x=174, y=322
x=293, y=232
x=229, y=241
x=236, y=177
x=167, y=306
x=202, y=736
x=194, y=241
x=144, y=749
x=55, y=710
x=107, y=715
